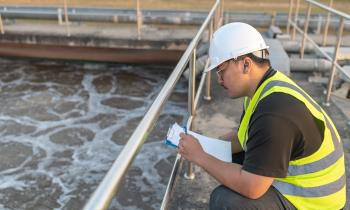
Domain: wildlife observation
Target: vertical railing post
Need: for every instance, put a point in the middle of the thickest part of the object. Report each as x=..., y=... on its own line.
x=305, y=30
x=335, y=58
x=273, y=16
x=222, y=10
x=327, y=24
x=319, y=23
x=207, y=95
x=227, y=17
x=295, y=19
x=138, y=20
x=216, y=22
x=59, y=16
x=289, y=16
x=191, y=91
x=219, y=10
x=1, y=26
x=66, y=17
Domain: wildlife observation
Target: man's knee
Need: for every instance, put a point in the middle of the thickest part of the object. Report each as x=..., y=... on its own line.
x=215, y=196
x=222, y=198
x=225, y=198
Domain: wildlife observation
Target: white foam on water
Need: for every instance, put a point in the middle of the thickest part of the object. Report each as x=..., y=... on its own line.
x=41, y=163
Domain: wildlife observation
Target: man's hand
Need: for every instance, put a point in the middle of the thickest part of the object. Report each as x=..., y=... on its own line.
x=229, y=174
x=190, y=148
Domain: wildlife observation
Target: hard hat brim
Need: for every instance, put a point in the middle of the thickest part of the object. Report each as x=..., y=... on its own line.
x=211, y=67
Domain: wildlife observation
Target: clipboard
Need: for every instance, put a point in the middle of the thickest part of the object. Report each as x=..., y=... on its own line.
x=218, y=148
x=170, y=135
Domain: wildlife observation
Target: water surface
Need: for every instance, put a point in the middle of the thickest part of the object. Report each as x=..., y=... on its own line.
x=63, y=124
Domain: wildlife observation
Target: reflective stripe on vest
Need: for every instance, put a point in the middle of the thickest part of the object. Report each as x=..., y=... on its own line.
x=321, y=164
x=286, y=188
x=246, y=103
x=327, y=163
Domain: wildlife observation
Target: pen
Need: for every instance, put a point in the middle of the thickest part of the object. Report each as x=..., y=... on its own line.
x=185, y=128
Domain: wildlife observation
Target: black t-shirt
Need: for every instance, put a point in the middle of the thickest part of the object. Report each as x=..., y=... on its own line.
x=280, y=129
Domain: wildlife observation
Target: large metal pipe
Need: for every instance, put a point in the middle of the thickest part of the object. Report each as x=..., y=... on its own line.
x=309, y=65
x=202, y=50
x=126, y=11
x=294, y=46
x=166, y=17
x=200, y=64
x=339, y=68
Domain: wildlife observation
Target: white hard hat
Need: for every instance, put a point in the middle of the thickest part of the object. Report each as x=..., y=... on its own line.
x=233, y=40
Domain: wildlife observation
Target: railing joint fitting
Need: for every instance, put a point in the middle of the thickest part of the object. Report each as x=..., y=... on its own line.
x=189, y=177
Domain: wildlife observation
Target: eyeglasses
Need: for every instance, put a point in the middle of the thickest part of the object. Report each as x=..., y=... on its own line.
x=219, y=71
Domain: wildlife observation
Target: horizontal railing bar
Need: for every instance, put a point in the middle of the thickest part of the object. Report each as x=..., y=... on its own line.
x=74, y=10
x=118, y=9
x=110, y=183
x=321, y=51
x=342, y=14
x=20, y=14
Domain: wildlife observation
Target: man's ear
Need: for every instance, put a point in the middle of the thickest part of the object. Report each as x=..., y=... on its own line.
x=247, y=65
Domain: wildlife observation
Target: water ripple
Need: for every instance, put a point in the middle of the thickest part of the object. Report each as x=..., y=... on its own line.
x=63, y=124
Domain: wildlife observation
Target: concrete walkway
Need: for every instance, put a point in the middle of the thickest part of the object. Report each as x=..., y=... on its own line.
x=221, y=115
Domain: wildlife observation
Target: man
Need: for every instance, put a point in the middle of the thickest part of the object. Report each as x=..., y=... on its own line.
x=287, y=153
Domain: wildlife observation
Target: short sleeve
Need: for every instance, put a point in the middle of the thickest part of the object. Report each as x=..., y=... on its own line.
x=276, y=136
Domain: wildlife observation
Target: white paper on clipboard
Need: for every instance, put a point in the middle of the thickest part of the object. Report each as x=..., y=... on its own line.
x=215, y=147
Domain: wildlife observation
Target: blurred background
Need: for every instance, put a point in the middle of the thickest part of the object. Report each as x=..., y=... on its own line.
x=251, y=5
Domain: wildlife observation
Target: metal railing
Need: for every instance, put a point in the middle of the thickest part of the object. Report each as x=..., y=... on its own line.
x=1, y=26
x=66, y=17
x=59, y=18
x=139, y=20
x=335, y=65
x=156, y=16
x=103, y=194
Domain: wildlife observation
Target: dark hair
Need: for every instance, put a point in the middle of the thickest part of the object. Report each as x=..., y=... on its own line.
x=262, y=62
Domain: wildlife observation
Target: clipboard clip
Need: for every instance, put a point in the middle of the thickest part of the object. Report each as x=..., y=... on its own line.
x=170, y=133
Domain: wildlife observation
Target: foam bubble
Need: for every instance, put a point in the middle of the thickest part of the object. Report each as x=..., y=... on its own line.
x=62, y=138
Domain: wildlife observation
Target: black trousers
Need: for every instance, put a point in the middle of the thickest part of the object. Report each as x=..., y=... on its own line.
x=225, y=198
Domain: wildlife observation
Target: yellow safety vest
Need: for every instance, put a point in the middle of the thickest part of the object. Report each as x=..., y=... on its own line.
x=314, y=182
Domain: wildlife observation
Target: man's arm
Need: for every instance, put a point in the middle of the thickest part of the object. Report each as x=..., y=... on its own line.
x=233, y=138
x=229, y=174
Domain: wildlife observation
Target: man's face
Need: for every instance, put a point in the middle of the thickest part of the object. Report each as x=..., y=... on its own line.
x=232, y=78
